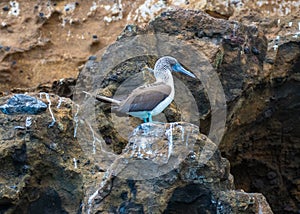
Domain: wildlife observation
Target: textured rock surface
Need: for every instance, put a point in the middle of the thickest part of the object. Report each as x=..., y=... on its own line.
x=261, y=141
x=45, y=168
x=143, y=180
x=23, y=104
x=38, y=172
x=220, y=41
x=260, y=82
x=263, y=137
x=45, y=41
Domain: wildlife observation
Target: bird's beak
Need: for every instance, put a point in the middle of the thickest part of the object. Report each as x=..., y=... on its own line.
x=177, y=67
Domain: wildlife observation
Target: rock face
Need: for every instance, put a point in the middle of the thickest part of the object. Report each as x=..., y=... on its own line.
x=237, y=52
x=262, y=142
x=163, y=167
x=262, y=91
x=260, y=81
x=45, y=41
x=38, y=172
x=259, y=72
x=171, y=168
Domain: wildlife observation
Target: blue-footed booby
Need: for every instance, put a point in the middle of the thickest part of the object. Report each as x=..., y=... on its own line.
x=151, y=99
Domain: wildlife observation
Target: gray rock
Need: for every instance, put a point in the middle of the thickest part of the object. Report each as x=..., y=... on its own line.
x=23, y=104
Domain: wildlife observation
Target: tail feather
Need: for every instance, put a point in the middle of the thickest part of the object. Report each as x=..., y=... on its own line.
x=103, y=98
x=107, y=99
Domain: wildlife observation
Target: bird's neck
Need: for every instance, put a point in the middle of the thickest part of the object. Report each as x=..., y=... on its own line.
x=165, y=77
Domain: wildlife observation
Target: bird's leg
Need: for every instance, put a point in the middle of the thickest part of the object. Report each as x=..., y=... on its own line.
x=145, y=120
x=149, y=117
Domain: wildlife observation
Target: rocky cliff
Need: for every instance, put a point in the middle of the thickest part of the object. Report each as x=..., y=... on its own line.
x=57, y=168
x=164, y=167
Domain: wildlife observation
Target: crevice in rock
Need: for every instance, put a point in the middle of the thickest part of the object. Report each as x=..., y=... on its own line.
x=262, y=143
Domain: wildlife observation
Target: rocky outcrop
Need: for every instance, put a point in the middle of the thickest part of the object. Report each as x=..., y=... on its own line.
x=171, y=168
x=259, y=78
x=41, y=161
x=256, y=58
x=262, y=142
x=164, y=167
x=236, y=51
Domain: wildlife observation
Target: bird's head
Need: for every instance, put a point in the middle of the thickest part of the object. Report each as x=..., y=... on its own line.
x=170, y=63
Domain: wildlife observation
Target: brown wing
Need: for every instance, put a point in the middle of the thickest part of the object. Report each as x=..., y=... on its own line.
x=145, y=98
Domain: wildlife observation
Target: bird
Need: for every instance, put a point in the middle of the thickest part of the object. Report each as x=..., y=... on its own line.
x=151, y=99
